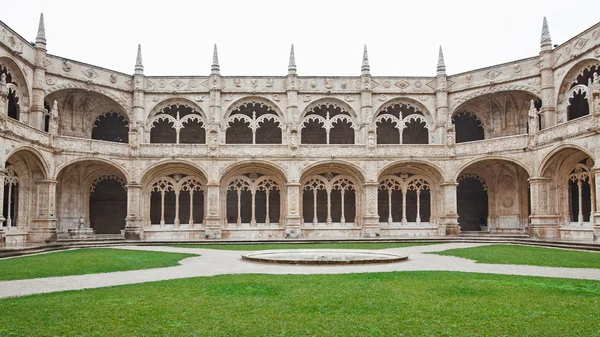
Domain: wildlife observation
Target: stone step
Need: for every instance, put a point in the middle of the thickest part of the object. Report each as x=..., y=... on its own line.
x=493, y=235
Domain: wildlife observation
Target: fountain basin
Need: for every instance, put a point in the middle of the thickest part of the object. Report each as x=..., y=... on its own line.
x=323, y=256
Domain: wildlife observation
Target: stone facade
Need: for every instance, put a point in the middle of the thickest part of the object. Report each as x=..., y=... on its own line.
x=511, y=148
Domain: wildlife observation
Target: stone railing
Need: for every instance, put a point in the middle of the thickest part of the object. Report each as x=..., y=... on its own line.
x=492, y=145
x=92, y=146
x=25, y=131
x=571, y=129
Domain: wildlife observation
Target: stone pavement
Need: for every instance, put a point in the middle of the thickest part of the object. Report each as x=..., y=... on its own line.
x=218, y=262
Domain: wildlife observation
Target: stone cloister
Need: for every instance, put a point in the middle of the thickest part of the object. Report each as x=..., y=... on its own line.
x=507, y=149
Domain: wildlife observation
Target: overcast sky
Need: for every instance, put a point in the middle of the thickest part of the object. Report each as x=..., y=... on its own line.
x=254, y=36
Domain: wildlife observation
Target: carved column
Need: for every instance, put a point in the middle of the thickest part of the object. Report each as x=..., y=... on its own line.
x=138, y=115
x=2, y=219
x=371, y=227
x=449, y=218
x=596, y=221
x=442, y=120
x=548, y=111
x=44, y=223
x=134, y=219
x=292, y=110
x=214, y=123
x=213, y=211
x=294, y=203
x=542, y=223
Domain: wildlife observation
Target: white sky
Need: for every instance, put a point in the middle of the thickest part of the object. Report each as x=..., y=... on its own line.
x=254, y=36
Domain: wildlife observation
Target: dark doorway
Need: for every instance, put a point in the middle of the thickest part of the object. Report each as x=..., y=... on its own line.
x=472, y=204
x=108, y=207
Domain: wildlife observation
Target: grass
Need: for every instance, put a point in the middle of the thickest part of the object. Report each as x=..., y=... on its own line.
x=525, y=255
x=271, y=246
x=369, y=304
x=84, y=261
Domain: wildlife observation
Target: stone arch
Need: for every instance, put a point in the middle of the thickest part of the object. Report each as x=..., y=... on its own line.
x=175, y=100
x=176, y=121
x=121, y=100
x=38, y=157
x=173, y=195
x=19, y=78
x=565, y=150
x=102, y=161
x=567, y=187
x=253, y=120
x=79, y=109
x=169, y=166
x=404, y=126
x=253, y=99
x=330, y=100
x=92, y=189
x=408, y=194
x=253, y=193
x=349, y=168
x=496, y=197
x=517, y=162
x=459, y=101
x=501, y=113
x=417, y=166
x=24, y=168
x=318, y=126
x=570, y=78
x=264, y=165
x=331, y=195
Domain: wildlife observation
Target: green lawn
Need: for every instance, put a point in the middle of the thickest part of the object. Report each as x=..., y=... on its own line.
x=84, y=261
x=369, y=304
x=270, y=246
x=535, y=256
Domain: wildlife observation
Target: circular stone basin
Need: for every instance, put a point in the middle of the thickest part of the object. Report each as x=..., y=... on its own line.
x=323, y=256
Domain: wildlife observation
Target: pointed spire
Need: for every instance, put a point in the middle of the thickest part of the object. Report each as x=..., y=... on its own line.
x=139, y=67
x=41, y=33
x=365, y=69
x=441, y=66
x=546, y=41
x=214, y=68
x=292, y=64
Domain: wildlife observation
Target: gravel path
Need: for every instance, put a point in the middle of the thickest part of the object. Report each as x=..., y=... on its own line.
x=218, y=262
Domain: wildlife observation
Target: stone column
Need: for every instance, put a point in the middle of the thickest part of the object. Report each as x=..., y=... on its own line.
x=134, y=224
x=548, y=111
x=2, y=219
x=542, y=224
x=294, y=203
x=371, y=227
x=596, y=221
x=442, y=120
x=44, y=222
x=366, y=102
x=449, y=219
x=213, y=211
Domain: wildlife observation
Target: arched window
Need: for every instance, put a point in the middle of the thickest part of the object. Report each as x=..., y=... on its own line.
x=578, y=98
x=402, y=123
x=11, y=197
x=468, y=127
x=178, y=124
x=327, y=124
x=13, y=93
x=404, y=199
x=111, y=126
x=329, y=198
x=253, y=123
x=177, y=199
x=253, y=199
x=581, y=194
